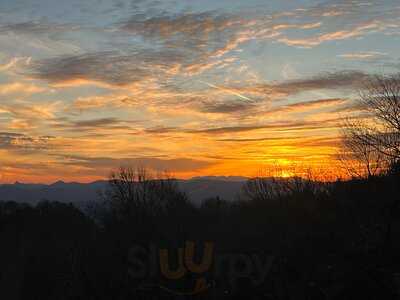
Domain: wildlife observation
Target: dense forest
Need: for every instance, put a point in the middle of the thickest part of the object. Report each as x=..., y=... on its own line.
x=282, y=239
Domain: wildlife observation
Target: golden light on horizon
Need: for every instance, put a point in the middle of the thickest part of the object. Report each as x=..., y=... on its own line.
x=211, y=92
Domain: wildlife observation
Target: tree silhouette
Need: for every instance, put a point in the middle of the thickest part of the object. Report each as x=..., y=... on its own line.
x=375, y=141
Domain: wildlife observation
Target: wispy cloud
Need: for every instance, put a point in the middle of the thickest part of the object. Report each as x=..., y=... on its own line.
x=367, y=55
x=15, y=62
x=20, y=88
x=357, y=31
x=281, y=126
x=110, y=125
x=154, y=163
x=23, y=142
x=35, y=28
x=108, y=68
x=24, y=110
x=305, y=106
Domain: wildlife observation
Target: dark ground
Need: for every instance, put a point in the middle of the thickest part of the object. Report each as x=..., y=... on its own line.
x=323, y=241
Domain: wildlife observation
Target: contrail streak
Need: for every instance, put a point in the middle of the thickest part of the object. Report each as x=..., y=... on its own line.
x=226, y=90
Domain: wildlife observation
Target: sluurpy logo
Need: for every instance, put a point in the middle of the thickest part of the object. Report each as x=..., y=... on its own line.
x=187, y=271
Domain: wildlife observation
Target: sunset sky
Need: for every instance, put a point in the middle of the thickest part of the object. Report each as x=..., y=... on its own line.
x=222, y=87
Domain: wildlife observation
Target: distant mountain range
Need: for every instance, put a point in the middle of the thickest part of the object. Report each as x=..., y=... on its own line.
x=197, y=188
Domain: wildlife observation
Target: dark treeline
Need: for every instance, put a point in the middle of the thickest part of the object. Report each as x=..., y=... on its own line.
x=335, y=240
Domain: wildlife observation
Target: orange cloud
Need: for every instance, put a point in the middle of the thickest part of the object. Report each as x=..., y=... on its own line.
x=20, y=88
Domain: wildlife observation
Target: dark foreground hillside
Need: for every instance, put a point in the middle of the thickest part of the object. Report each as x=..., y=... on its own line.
x=284, y=240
